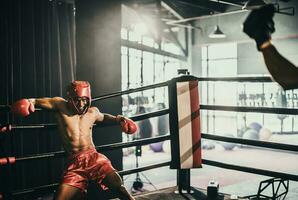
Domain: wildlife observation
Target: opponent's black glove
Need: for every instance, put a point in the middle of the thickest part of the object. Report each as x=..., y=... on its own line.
x=259, y=24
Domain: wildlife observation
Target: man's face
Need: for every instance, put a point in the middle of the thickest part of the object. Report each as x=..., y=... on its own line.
x=82, y=102
x=79, y=104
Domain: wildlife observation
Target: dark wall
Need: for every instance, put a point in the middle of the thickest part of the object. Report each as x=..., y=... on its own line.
x=38, y=59
x=98, y=26
x=250, y=60
x=37, y=47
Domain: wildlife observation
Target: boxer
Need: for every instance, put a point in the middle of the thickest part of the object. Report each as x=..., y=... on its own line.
x=75, y=119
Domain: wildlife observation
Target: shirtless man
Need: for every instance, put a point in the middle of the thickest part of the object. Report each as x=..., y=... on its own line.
x=75, y=119
x=259, y=25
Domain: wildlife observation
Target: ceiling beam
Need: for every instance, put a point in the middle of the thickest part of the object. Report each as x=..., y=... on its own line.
x=172, y=8
x=208, y=6
x=204, y=17
x=228, y=3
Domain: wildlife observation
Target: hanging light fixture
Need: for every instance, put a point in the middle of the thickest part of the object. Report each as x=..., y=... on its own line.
x=217, y=33
x=253, y=4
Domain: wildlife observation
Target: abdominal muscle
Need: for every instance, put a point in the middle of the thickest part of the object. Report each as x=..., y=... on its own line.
x=75, y=133
x=76, y=142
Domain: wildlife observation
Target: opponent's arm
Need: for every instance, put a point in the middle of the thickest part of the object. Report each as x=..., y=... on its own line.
x=127, y=125
x=259, y=25
x=282, y=70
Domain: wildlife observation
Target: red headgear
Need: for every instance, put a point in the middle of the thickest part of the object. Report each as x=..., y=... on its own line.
x=79, y=89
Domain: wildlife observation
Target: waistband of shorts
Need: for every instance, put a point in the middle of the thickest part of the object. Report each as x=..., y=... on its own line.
x=82, y=152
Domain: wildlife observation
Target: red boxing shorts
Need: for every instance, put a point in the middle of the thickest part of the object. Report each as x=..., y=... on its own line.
x=84, y=166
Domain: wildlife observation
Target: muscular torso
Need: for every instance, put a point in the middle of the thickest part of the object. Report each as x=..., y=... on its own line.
x=76, y=130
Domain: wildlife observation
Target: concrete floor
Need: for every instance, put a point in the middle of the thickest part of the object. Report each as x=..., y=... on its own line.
x=231, y=182
x=171, y=194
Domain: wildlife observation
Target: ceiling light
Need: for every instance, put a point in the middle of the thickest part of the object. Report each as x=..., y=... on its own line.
x=253, y=4
x=217, y=33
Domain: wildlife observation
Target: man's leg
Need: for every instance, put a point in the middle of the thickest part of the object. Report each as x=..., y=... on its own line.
x=67, y=192
x=114, y=182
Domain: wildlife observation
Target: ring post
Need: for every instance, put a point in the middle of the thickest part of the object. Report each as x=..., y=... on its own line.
x=184, y=128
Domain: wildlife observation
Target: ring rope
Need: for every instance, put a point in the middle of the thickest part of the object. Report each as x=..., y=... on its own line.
x=99, y=148
x=119, y=93
x=271, y=145
x=34, y=189
x=278, y=146
x=133, y=143
x=237, y=79
x=6, y=108
x=288, y=111
x=35, y=126
x=122, y=173
x=204, y=161
x=134, y=118
x=251, y=170
x=150, y=115
x=145, y=168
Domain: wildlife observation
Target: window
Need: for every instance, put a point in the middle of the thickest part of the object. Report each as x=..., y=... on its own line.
x=140, y=68
x=219, y=60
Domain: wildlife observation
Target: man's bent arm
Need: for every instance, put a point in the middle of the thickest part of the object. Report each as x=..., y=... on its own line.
x=281, y=69
x=127, y=125
x=106, y=118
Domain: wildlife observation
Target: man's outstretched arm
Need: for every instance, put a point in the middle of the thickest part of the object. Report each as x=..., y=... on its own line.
x=25, y=107
x=47, y=103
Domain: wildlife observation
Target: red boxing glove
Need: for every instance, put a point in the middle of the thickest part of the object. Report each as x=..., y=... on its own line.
x=127, y=125
x=7, y=160
x=5, y=128
x=22, y=107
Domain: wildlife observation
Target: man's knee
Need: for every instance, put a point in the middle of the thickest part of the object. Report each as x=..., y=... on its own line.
x=122, y=192
x=66, y=192
x=113, y=180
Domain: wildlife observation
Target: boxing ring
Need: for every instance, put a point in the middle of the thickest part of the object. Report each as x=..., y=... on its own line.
x=176, y=162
